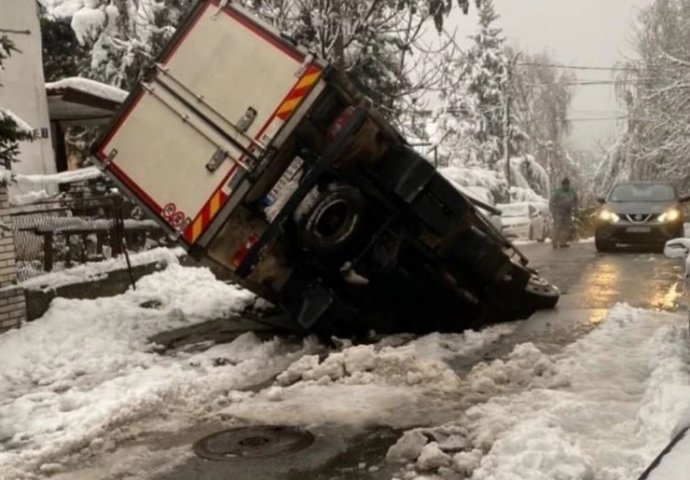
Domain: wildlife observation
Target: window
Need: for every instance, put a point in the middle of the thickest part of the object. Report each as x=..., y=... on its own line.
x=652, y=192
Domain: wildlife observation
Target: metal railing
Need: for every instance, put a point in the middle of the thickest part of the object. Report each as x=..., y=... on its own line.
x=58, y=234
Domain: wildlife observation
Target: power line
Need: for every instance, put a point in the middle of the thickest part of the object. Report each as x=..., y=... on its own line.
x=588, y=83
x=595, y=119
x=583, y=67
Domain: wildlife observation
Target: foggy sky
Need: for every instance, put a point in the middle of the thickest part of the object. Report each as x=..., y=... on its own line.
x=580, y=32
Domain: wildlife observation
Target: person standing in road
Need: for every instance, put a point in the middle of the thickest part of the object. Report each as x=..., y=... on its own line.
x=563, y=206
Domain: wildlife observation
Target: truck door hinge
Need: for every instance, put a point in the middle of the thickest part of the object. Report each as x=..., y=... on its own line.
x=216, y=160
x=109, y=159
x=221, y=5
x=247, y=119
x=304, y=65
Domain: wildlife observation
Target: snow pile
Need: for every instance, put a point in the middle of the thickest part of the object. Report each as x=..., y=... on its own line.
x=675, y=465
x=445, y=346
x=527, y=174
x=474, y=177
x=602, y=409
x=520, y=194
x=491, y=187
x=362, y=364
x=97, y=270
x=84, y=375
x=357, y=386
x=87, y=86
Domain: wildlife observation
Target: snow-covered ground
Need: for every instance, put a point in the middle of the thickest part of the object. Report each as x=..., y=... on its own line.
x=97, y=270
x=71, y=380
x=602, y=409
x=84, y=378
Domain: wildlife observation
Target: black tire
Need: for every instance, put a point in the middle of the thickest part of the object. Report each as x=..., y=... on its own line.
x=537, y=295
x=603, y=245
x=334, y=220
x=540, y=295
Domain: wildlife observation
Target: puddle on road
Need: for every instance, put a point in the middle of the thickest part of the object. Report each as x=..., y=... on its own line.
x=670, y=300
x=363, y=459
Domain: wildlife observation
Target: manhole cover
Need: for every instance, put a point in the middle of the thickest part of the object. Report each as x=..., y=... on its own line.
x=252, y=442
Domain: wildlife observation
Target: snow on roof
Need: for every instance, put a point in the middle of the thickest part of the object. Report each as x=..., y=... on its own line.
x=21, y=124
x=90, y=87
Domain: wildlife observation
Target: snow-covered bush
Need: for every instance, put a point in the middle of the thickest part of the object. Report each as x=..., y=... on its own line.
x=12, y=128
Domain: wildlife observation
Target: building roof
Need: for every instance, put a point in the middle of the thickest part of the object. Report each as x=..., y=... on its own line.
x=82, y=101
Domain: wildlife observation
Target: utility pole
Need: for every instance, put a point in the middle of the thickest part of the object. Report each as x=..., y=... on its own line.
x=549, y=165
x=507, y=100
x=506, y=125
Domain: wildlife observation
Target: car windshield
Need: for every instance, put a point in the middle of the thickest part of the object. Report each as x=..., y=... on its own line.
x=514, y=211
x=643, y=193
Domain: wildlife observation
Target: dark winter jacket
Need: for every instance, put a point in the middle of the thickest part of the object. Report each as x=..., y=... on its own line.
x=563, y=202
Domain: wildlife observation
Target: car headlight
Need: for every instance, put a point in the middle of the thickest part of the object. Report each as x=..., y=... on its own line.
x=670, y=216
x=608, y=216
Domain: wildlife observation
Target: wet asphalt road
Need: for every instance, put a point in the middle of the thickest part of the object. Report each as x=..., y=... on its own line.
x=591, y=284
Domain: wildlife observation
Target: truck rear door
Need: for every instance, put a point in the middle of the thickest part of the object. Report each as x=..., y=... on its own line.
x=187, y=137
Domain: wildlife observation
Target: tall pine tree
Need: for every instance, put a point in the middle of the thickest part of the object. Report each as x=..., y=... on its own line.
x=484, y=77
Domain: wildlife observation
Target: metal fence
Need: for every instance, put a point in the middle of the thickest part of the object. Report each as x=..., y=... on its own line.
x=56, y=235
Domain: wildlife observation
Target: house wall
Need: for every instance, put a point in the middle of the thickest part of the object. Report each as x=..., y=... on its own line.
x=23, y=83
x=12, y=300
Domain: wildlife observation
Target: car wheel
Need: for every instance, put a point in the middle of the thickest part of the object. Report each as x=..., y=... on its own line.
x=603, y=245
x=334, y=220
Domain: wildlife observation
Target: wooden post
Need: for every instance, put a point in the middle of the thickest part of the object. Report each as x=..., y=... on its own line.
x=48, y=251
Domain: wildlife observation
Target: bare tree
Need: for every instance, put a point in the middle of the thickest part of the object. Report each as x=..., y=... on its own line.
x=542, y=102
x=655, y=90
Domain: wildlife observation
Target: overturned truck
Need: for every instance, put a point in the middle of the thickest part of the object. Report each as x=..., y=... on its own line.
x=261, y=157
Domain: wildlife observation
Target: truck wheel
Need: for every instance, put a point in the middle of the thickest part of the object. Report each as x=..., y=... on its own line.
x=333, y=221
x=540, y=295
x=537, y=294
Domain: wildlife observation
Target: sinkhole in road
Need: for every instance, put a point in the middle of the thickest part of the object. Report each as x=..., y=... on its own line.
x=253, y=442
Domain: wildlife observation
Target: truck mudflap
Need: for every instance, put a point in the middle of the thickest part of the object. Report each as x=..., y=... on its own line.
x=200, y=136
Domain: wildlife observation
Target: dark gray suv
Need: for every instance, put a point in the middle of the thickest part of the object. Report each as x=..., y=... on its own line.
x=639, y=213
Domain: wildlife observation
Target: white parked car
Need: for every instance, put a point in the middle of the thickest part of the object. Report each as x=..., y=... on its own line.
x=525, y=221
